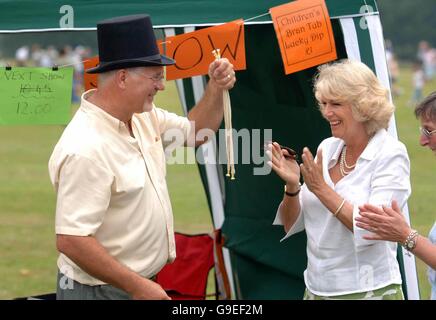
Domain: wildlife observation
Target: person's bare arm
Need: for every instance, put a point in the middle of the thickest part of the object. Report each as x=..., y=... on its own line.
x=286, y=168
x=91, y=257
x=426, y=251
x=208, y=112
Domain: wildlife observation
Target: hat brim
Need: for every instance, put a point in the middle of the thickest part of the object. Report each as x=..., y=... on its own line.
x=130, y=63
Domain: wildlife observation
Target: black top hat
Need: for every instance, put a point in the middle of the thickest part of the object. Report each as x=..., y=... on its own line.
x=127, y=42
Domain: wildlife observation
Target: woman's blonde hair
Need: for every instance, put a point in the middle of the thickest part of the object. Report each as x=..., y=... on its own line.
x=353, y=83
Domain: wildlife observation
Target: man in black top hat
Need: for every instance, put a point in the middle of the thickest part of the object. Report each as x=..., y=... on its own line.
x=114, y=221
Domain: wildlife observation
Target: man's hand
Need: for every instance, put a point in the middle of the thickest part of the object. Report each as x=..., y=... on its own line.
x=148, y=290
x=208, y=112
x=106, y=268
x=221, y=74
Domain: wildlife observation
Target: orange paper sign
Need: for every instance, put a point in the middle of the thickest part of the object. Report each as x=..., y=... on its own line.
x=193, y=51
x=90, y=81
x=304, y=33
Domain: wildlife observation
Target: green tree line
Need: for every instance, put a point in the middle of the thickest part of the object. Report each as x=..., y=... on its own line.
x=406, y=22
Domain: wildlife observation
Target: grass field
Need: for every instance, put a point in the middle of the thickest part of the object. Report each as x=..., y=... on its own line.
x=27, y=201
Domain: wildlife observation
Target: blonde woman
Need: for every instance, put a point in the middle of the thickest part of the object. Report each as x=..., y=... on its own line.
x=360, y=163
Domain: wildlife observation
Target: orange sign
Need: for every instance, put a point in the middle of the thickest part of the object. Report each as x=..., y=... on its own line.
x=193, y=51
x=304, y=33
x=90, y=81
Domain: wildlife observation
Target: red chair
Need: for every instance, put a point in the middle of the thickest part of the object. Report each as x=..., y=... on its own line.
x=186, y=278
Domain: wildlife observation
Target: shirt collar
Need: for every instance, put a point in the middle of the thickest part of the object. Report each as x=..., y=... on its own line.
x=368, y=153
x=374, y=145
x=102, y=115
x=335, y=156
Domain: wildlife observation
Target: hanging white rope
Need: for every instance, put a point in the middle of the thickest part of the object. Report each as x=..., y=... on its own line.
x=228, y=127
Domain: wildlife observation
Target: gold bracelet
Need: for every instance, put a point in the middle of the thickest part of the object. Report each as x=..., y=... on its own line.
x=339, y=208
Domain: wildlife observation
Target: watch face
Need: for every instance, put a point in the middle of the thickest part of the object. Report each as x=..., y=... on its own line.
x=410, y=244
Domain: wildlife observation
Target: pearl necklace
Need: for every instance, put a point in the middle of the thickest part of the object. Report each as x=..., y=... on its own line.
x=344, y=168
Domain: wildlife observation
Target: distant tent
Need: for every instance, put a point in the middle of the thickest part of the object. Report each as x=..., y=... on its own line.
x=265, y=98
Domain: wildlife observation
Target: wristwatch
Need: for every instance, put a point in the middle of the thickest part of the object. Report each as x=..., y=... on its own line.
x=410, y=242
